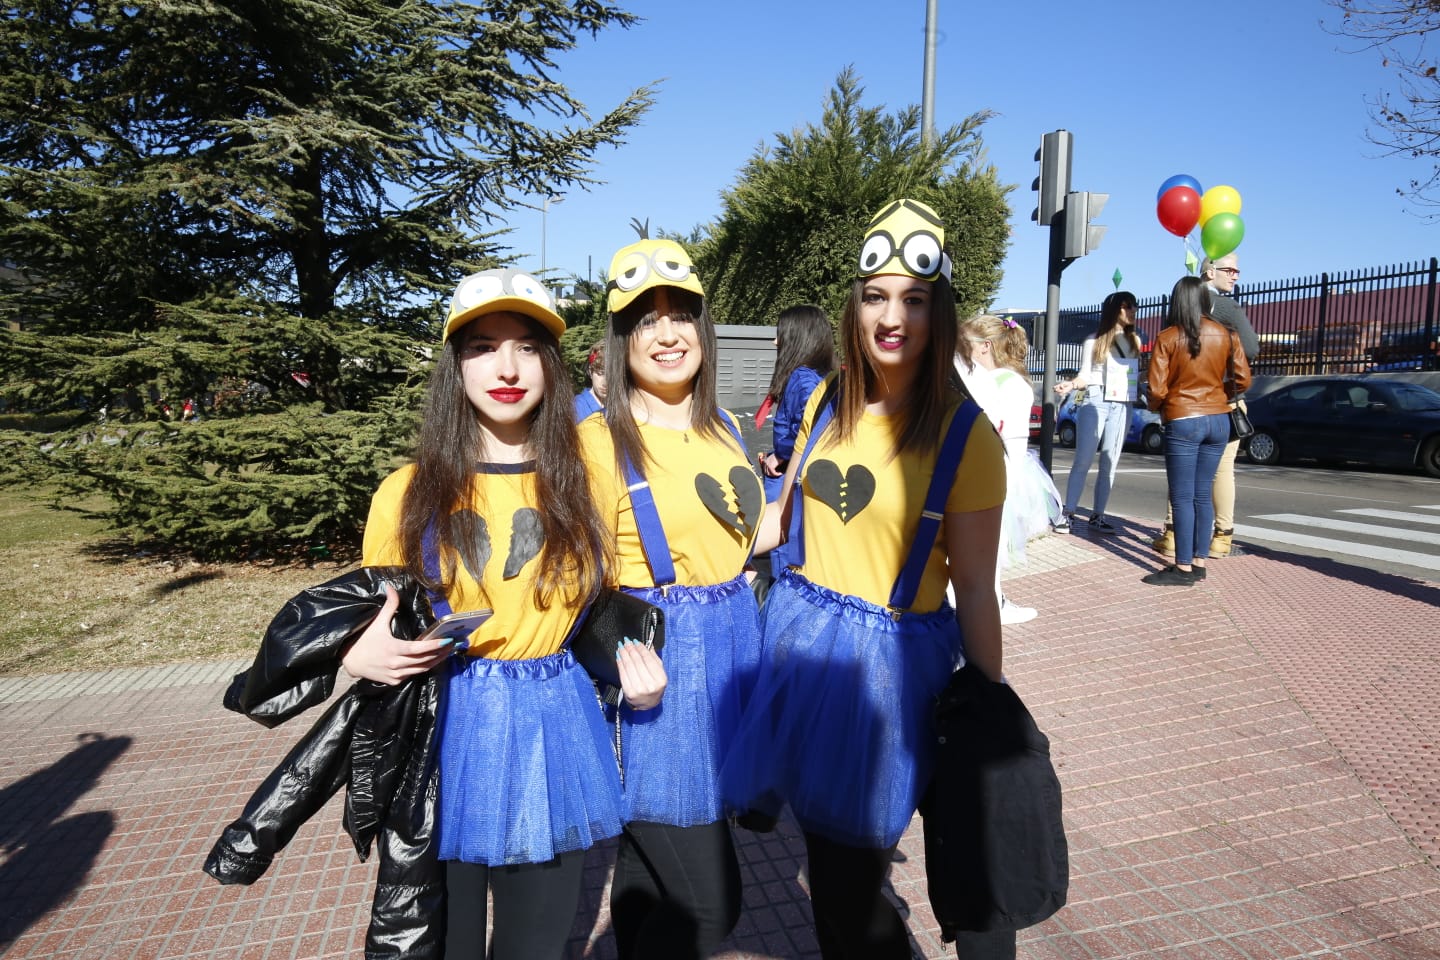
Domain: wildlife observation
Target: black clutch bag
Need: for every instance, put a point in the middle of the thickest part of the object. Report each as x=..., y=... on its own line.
x=1240, y=426
x=614, y=616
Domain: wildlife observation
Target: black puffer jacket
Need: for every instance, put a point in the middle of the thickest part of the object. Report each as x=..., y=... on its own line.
x=377, y=741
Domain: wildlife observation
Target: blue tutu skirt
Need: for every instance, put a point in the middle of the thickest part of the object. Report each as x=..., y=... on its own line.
x=527, y=770
x=673, y=753
x=839, y=726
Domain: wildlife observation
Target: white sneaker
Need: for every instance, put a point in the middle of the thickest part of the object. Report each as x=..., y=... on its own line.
x=1014, y=613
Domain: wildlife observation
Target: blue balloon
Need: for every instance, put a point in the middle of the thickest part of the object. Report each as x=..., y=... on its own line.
x=1180, y=180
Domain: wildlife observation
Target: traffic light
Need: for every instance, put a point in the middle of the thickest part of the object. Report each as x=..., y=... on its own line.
x=1080, y=236
x=1053, y=183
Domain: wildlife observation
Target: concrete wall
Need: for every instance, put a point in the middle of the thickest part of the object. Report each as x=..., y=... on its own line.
x=745, y=362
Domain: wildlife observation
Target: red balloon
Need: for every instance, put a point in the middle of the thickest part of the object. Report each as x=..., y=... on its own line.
x=1178, y=210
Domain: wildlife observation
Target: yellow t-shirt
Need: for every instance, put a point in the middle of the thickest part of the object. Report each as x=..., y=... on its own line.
x=707, y=494
x=862, y=506
x=506, y=558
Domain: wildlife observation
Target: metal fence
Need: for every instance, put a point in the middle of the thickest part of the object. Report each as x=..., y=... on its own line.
x=1360, y=321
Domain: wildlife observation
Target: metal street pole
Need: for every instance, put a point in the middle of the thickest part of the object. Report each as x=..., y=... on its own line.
x=1055, y=264
x=927, y=100
x=544, y=211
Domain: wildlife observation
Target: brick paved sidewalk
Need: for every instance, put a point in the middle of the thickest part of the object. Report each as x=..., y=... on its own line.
x=1251, y=770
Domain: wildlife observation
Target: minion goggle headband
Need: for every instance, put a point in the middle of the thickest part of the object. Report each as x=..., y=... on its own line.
x=647, y=264
x=919, y=251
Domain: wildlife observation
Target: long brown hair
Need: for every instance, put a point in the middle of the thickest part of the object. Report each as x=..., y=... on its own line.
x=1110, y=326
x=804, y=338
x=573, y=558
x=1190, y=304
x=704, y=412
x=936, y=384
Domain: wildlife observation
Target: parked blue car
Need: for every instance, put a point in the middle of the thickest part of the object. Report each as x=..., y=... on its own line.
x=1144, y=432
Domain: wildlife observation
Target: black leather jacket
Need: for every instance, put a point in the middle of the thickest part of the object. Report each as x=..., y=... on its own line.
x=377, y=741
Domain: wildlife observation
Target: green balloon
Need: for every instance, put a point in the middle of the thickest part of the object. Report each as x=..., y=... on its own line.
x=1221, y=234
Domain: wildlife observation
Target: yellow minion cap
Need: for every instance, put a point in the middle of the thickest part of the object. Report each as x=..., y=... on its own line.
x=645, y=264
x=502, y=291
x=906, y=237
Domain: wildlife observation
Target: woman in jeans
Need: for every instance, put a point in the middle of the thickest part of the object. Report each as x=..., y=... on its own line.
x=1111, y=359
x=1190, y=364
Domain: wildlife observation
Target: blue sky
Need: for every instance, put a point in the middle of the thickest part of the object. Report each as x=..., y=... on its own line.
x=1252, y=94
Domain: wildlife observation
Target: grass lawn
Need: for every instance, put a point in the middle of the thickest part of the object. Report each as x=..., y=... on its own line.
x=76, y=599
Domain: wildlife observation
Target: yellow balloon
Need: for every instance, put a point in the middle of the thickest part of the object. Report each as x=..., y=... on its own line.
x=1220, y=199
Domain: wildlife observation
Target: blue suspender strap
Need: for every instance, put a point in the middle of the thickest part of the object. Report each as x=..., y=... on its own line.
x=795, y=542
x=647, y=521
x=430, y=556
x=735, y=432
x=947, y=461
x=647, y=517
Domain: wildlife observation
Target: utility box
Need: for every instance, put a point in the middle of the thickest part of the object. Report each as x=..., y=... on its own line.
x=745, y=362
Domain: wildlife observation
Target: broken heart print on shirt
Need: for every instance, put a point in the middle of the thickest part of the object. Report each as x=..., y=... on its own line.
x=737, y=505
x=527, y=536
x=847, y=494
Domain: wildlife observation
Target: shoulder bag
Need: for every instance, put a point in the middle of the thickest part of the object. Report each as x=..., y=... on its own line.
x=1240, y=425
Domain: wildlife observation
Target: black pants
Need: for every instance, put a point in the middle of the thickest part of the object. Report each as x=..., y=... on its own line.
x=535, y=906
x=855, y=921
x=676, y=892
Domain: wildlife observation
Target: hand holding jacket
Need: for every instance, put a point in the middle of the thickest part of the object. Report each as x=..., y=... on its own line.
x=377, y=740
x=300, y=653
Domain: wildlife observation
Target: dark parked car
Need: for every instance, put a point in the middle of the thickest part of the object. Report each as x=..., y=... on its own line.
x=1145, y=431
x=1383, y=422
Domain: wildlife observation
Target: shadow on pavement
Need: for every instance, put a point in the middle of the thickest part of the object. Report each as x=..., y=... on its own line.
x=1393, y=584
x=48, y=855
x=1132, y=543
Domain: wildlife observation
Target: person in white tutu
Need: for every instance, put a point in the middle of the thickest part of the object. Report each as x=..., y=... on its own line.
x=996, y=377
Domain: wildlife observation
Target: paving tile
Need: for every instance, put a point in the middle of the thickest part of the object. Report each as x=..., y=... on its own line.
x=1252, y=775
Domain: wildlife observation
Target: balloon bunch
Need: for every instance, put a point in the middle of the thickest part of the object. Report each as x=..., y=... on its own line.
x=1181, y=205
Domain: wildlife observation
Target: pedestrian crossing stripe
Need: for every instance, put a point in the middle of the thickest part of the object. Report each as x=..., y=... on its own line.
x=1347, y=526
x=1393, y=515
x=1410, y=558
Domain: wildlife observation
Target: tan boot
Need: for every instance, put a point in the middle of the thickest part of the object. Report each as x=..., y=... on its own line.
x=1220, y=544
x=1165, y=542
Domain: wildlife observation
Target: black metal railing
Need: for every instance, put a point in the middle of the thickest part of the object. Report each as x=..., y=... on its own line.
x=1359, y=321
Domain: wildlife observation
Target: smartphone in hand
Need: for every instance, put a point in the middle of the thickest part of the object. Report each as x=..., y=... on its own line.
x=456, y=627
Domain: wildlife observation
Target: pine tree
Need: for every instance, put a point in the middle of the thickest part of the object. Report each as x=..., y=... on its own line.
x=790, y=228
x=260, y=206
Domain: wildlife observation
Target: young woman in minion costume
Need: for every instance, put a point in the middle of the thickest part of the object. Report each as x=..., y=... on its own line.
x=859, y=637
x=496, y=513
x=674, y=481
